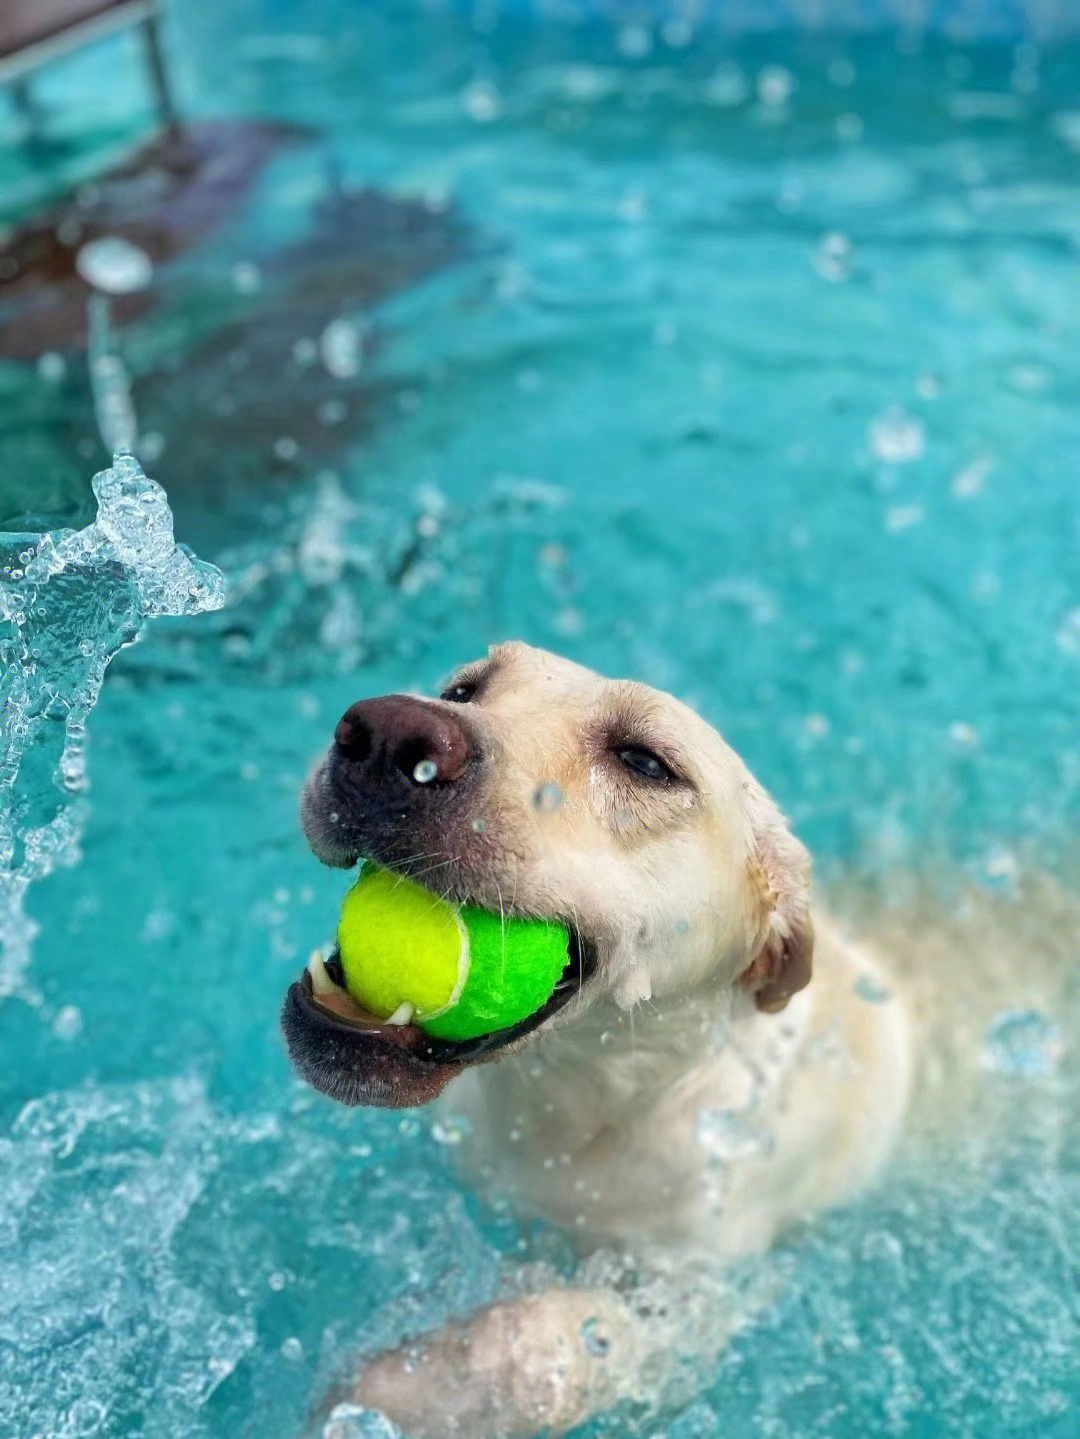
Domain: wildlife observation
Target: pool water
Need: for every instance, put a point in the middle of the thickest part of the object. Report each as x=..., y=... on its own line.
x=757, y=379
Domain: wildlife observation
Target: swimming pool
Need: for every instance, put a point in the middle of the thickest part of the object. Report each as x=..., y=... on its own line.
x=752, y=371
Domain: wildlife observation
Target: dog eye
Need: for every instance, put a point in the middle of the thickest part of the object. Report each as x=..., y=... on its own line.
x=460, y=693
x=644, y=762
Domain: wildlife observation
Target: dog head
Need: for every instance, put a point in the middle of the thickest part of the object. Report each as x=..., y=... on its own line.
x=534, y=787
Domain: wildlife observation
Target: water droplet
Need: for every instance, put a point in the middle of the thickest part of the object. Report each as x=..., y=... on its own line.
x=985, y=586
x=868, y=987
x=597, y=1341
x=928, y=386
x=341, y=349
x=52, y=367
x=899, y=518
x=969, y=481
x=246, y=277
x=1067, y=125
x=1025, y=75
x=896, y=437
x=425, y=771
x=157, y=925
x=478, y=826
x=727, y=87
x=633, y=206
x=481, y=101
x=68, y=1022
x=775, y=86
x=1002, y=864
x=849, y=128
x=677, y=32
x=832, y=258
x=1028, y=378
x=634, y=42
x=729, y=1134
x=276, y=1281
x=151, y=446
x=964, y=735
x=1022, y=1044
x=114, y=265
x=549, y=797
x=450, y=1129
x=586, y=83
x=1068, y=633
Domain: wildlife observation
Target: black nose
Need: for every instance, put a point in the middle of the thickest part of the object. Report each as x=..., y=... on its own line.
x=403, y=734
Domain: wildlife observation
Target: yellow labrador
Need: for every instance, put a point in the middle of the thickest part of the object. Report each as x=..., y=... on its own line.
x=685, y=1094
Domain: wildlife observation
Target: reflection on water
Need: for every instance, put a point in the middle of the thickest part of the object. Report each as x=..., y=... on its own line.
x=171, y=194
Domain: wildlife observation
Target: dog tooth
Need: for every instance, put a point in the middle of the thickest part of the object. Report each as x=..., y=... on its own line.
x=634, y=988
x=321, y=983
x=403, y=1014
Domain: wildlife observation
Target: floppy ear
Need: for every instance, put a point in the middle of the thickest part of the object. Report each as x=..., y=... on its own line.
x=779, y=874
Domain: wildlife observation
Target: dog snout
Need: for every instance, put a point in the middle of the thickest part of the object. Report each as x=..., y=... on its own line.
x=398, y=735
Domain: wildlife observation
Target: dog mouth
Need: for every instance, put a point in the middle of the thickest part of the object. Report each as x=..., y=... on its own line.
x=357, y=1058
x=323, y=981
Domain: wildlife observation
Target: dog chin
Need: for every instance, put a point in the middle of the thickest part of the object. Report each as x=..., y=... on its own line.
x=379, y=1065
x=319, y=831
x=331, y=852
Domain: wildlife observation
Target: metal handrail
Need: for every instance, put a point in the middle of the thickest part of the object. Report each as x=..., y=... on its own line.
x=35, y=32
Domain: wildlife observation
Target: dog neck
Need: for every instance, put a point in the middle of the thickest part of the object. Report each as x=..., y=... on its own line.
x=605, y=1066
x=647, y=1049
x=615, y=1091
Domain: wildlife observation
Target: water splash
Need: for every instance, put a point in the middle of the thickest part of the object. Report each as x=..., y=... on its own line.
x=1022, y=1044
x=100, y=1320
x=349, y=1421
x=69, y=600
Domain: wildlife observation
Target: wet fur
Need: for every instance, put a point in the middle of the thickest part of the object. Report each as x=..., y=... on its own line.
x=697, y=897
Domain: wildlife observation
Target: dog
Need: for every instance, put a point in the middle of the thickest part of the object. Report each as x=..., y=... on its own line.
x=716, y=1065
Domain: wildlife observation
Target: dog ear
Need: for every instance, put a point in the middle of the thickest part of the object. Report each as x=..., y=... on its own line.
x=779, y=873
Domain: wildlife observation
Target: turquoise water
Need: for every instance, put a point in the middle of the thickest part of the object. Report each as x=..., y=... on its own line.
x=757, y=379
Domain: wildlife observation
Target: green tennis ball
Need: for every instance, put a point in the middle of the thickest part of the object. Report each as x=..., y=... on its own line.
x=457, y=972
